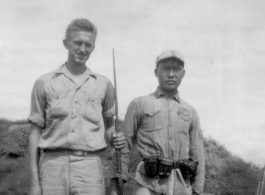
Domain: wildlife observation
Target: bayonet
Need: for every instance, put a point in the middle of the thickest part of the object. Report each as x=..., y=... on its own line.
x=118, y=151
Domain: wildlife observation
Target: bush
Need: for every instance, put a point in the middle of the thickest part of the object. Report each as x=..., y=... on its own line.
x=14, y=176
x=14, y=140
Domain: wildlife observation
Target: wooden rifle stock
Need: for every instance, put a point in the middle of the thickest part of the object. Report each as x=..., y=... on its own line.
x=118, y=151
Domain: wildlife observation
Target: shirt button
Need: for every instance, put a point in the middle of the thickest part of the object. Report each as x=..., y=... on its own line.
x=76, y=102
x=73, y=130
x=169, y=125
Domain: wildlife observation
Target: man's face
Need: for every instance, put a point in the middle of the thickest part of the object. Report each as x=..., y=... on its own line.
x=79, y=44
x=169, y=73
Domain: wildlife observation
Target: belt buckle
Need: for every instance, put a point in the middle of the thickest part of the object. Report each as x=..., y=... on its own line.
x=78, y=153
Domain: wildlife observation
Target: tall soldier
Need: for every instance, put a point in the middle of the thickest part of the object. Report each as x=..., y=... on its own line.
x=167, y=133
x=71, y=109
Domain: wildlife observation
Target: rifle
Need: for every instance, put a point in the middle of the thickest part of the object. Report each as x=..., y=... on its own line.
x=118, y=151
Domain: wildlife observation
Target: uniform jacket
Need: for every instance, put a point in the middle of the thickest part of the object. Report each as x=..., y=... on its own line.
x=71, y=115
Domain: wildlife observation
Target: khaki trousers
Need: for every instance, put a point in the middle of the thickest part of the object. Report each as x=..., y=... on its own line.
x=64, y=174
x=172, y=188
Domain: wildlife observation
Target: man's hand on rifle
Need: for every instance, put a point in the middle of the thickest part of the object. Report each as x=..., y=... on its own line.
x=117, y=140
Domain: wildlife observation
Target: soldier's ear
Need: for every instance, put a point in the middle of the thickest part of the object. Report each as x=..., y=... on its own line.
x=155, y=71
x=183, y=74
x=65, y=43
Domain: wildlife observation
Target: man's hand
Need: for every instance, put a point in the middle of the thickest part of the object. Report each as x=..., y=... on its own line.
x=117, y=140
x=192, y=166
x=189, y=169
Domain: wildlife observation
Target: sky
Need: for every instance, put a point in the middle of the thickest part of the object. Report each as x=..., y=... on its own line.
x=222, y=42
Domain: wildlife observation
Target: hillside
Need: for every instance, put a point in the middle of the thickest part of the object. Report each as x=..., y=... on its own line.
x=226, y=174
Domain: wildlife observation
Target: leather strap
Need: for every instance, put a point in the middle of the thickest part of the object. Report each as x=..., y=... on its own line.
x=176, y=164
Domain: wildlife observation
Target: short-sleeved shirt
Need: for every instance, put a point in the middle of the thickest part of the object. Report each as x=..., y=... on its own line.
x=72, y=115
x=162, y=127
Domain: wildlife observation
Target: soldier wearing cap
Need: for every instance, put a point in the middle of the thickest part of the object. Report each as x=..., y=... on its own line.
x=167, y=133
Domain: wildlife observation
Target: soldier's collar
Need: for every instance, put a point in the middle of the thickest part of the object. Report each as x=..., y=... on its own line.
x=63, y=70
x=159, y=93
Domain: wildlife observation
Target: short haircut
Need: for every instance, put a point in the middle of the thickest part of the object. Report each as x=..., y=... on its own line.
x=81, y=25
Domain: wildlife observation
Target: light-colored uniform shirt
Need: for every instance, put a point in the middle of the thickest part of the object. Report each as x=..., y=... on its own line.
x=162, y=127
x=71, y=115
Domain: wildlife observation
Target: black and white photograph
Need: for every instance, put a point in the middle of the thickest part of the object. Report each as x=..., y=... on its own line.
x=143, y=97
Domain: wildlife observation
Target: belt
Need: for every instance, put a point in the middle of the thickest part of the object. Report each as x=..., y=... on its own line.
x=173, y=164
x=74, y=152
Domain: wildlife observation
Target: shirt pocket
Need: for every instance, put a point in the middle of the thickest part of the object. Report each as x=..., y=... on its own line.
x=58, y=104
x=183, y=123
x=91, y=108
x=152, y=119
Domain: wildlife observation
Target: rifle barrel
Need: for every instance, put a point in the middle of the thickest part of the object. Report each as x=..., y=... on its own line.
x=115, y=87
x=118, y=151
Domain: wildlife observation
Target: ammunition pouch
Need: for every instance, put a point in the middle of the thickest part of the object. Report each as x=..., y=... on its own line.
x=158, y=168
x=165, y=168
x=162, y=168
x=151, y=167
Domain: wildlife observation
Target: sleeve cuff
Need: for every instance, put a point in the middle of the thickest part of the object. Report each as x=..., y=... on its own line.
x=36, y=119
x=198, y=189
x=199, y=192
x=109, y=113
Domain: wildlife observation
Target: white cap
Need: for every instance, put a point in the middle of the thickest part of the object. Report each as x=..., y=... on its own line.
x=170, y=54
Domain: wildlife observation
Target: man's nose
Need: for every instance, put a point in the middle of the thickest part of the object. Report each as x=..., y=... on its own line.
x=82, y=48
x=171, y=73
